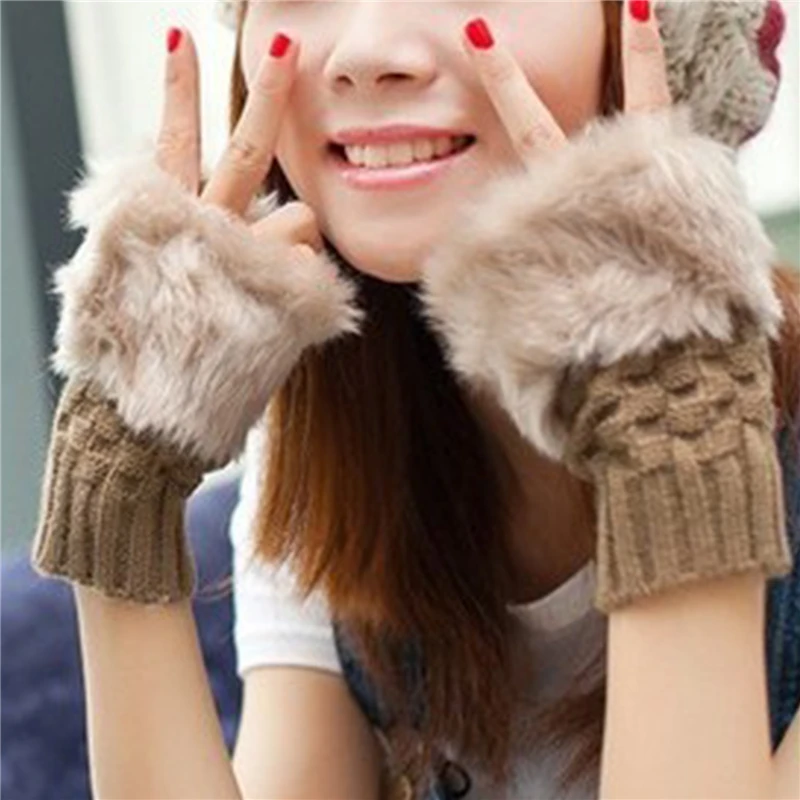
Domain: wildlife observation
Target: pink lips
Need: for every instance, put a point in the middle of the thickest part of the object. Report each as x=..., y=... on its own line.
x=397, y=177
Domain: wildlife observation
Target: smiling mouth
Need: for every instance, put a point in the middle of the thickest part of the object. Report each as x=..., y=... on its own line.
x=338, y=152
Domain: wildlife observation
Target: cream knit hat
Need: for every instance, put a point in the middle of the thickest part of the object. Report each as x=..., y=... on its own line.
x=721, y=57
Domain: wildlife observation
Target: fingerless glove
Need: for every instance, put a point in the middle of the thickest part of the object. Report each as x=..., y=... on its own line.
x=616, y=300
x=177, y=325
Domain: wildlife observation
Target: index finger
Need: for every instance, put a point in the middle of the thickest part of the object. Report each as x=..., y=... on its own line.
x=250, y=150
x=529, y=123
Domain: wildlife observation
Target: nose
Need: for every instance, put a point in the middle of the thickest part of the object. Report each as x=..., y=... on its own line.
x=378, y=45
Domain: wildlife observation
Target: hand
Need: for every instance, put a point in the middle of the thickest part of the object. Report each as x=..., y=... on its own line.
x=189, y=310
x=630, y=233
x=530, y=125
x=249, y=152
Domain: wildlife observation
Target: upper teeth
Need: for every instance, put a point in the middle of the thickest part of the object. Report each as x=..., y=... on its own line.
x=403, y=152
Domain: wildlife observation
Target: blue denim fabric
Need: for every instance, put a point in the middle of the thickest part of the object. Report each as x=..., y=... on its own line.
x=783, y=605
x=782, y=633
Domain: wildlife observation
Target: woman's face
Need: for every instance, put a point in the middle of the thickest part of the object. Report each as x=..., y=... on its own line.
x=373, y=63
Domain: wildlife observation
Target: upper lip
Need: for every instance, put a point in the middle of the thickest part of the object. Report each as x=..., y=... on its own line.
x=389, y=134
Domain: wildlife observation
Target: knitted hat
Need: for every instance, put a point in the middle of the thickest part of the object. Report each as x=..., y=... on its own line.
x=721, y=58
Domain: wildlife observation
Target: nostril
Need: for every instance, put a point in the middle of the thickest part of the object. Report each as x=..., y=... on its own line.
x=770, y=35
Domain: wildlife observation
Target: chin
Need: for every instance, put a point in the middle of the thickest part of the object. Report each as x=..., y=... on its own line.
x=368, y=262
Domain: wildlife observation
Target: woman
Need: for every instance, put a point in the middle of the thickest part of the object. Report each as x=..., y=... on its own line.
x=563, y=352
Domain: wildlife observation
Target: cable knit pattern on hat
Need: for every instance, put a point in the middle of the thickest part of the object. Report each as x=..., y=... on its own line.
x=720, y=58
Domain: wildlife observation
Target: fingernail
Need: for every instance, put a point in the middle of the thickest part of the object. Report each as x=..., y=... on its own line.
x=479, y=34
x=640, y=10
x=280, y=44
x=174, y=36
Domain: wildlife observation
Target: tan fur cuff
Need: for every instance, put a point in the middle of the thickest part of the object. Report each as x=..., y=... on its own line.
x=112, y=505
x=636, y=233
x=180, y=315
x=680, y=446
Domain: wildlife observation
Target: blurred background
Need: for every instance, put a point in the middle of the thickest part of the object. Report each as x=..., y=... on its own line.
x=82, y=78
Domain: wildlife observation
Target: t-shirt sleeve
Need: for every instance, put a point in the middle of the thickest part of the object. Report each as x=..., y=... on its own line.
x=273, y=623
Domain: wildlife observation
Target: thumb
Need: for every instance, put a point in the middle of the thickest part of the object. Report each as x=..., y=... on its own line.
x=293, y=222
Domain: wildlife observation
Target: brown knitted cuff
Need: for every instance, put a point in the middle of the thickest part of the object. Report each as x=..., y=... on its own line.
x=680, y=446
x=111, y=514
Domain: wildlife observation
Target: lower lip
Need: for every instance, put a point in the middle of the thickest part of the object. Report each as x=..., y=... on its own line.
x=403, y=177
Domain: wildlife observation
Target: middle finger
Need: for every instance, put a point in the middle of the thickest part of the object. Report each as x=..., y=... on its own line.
x=250, y=150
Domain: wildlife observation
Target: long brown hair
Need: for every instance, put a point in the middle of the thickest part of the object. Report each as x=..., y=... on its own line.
x=381, y=488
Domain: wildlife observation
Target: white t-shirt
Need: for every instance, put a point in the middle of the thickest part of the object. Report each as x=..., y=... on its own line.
x=273, y=625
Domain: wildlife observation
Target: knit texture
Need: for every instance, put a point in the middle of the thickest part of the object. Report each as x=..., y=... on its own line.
x=722, y=56
x=680, y=446
x=112, y=505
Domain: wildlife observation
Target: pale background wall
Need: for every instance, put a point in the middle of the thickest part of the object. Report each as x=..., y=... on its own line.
x=118, y=60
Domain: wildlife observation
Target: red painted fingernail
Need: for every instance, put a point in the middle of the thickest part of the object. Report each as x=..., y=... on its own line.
x=479, y=33
x=174, y=36
x=280, y=44
x=640, y=10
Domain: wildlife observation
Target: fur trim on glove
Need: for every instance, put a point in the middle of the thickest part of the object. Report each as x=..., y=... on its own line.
x=636, y=232
x=180, y=314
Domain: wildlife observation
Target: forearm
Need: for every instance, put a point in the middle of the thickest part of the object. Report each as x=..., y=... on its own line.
x=152, y=724
x=687, y=709
x=787, y=763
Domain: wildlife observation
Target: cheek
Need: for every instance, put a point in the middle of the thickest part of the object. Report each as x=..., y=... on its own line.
x=562, y=56
x=298, y=155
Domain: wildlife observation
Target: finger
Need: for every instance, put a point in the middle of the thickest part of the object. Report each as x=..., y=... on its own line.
x=249, y=153
x=294, y=222
x=531, y=126
x=644, y=66
x=178, y=145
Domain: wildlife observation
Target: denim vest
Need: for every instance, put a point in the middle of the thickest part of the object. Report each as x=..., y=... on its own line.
x=782, y=645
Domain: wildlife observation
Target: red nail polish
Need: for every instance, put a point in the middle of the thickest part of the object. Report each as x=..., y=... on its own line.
x=479, y=33
x=280, y=44
x=174, y=36
x=640, y=10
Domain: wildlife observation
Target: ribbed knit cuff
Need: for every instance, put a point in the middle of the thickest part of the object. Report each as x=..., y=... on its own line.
x=680, y=446
x=112, y=504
